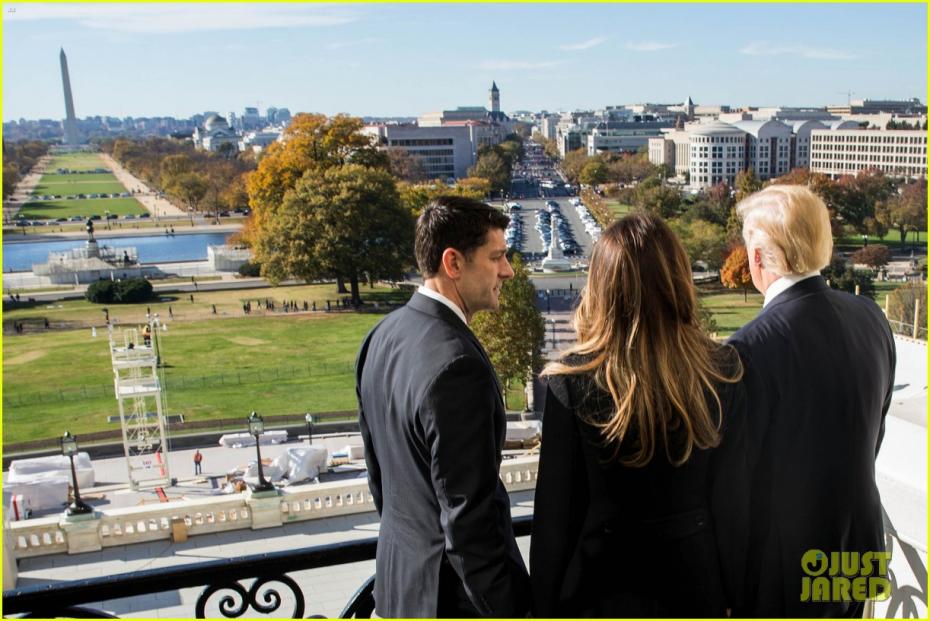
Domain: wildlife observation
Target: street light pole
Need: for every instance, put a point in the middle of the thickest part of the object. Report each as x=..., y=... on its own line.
x=256, y=428
x=69, y=449
x=309, y=418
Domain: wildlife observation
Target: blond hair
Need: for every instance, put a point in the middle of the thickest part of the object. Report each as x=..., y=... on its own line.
x=639, y=335
x=790, y=225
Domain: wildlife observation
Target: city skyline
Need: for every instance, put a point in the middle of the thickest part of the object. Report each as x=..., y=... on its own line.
x=406, y=60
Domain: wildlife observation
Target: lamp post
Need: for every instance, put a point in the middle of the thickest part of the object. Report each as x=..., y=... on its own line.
x=256, y=428
x=309, y=418
x=552, y=323
x=107, y=213
x=156, y=323
x=865, y=240
x=69, y=449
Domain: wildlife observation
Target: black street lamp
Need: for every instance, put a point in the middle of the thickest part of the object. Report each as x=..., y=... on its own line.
x=256, y=428
x=309, y=418
x=69, y=449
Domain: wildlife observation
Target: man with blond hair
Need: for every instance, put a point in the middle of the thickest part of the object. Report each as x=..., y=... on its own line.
x=819, y=370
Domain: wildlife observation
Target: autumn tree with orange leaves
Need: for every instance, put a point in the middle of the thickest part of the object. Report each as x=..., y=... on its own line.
x=735, y=273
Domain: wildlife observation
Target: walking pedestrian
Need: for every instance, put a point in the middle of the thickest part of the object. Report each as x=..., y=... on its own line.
x=198, y=460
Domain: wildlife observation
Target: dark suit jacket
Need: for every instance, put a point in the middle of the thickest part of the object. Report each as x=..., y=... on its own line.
x=616, y=541
x=433, y=423
x=819, y=376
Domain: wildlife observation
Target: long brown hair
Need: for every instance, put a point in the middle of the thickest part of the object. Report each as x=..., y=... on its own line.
x=639, y=335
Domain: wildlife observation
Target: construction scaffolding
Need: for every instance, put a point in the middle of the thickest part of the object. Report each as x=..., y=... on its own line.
x=135, y=358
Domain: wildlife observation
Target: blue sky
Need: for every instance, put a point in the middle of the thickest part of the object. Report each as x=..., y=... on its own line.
x=405, y=60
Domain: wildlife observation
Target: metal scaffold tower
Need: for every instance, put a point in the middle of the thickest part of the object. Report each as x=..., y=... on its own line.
x=135, y=359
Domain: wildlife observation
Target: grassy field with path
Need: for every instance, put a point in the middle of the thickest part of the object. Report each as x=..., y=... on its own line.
x=65, y=208
x=72, y=185
x=76, y=161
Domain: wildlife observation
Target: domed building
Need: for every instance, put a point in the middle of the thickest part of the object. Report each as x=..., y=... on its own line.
x=215, y=133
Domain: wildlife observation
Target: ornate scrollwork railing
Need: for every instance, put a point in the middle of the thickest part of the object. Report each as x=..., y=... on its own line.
x=222, y=581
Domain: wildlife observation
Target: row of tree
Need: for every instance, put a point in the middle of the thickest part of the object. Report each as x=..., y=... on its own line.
x=200, y=180
x=902, y=124
x=609, y=168
x=18, y=159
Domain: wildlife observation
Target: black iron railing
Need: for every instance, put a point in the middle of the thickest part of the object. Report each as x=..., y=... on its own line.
x=222, y=582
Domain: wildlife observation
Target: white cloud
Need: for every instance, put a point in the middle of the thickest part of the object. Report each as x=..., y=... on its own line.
x=584, y=45
x=168, y=18
x=763, y=48
x=649, y=46
x=511, y=65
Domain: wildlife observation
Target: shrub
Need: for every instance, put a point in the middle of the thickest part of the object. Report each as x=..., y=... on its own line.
x=134, y=290
x=875, y=256
x=101, y=292
x=128, y=291
x=250, y=269
x=843, y=277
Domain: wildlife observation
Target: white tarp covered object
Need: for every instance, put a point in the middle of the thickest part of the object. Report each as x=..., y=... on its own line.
x=48, y=493
x=523, y=430
x=52, y=467
x=237, y=440
x=295, y=464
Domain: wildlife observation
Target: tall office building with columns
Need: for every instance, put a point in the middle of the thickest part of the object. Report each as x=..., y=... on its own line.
x=70, y=123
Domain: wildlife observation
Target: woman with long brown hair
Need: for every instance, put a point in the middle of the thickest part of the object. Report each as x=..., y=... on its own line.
x=635, y=409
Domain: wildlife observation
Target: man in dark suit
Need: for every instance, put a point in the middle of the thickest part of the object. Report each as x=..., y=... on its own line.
x=819, y=372
x=433, y=422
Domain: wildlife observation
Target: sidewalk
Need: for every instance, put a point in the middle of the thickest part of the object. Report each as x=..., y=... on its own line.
x=144, y=194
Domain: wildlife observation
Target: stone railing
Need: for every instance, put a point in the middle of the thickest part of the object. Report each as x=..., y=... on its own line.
x=116, y=527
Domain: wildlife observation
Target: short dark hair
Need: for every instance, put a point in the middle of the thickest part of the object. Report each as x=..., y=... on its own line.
x=453, y=222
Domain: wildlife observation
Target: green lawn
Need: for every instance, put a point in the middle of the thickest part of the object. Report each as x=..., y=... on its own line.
x=617, y=208
x=216, y=369
x=218, y=366
x=76, y=161
x=730, y=310
x=69, y=185
x=892, y=239
x=65, y=208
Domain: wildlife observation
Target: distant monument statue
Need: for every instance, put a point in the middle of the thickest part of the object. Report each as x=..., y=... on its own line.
x=70, y=122
x=93, y=250
x=555, y=261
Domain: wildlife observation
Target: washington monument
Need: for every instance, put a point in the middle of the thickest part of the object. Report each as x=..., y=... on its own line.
x=71, y=134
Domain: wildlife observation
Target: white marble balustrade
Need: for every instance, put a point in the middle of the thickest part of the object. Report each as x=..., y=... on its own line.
x=128, y=525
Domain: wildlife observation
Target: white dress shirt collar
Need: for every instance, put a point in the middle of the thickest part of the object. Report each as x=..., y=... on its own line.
x=444, y=300
x=784, y=283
